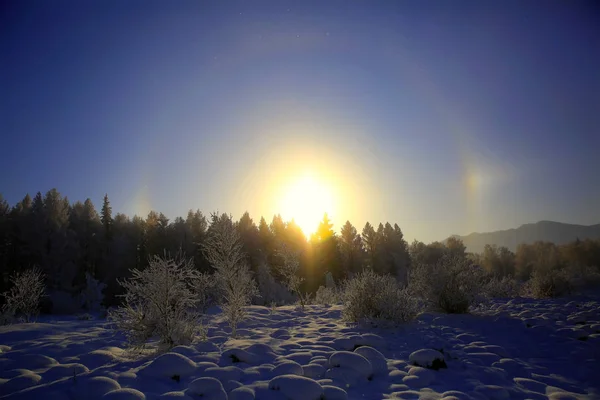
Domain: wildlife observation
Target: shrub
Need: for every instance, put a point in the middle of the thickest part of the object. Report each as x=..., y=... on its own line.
x=162, y=300
x=23, y=298
x=91, y=296
x=290, y=272
x=583, y=278
x=327, y=296
x=271, y=292
x=501, y=288
x=370, y=297
x=546, y=283
x=451, y=285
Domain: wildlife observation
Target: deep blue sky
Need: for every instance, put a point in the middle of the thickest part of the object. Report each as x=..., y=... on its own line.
x=445, y=117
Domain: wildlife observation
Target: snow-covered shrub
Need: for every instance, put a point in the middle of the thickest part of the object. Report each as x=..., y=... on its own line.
x=290, y=271
x=451, y=285
x=233, y=279
x=23, y=298
x=583, y=278
x=205, y=289
x=327, y=296
x=91, y=296
x=546, y=282
x=271, y=291
x=329, y=282
x=162, y=301
x=501, y=288
x=370, y=296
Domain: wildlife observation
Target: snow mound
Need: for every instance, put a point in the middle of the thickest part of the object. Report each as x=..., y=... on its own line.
x=287, y=368
x=94, y=387
x=208, y=388
x=313, y=371
x=168, y=365
x=493, y=392
x=428, y=358
x=377, y=360
x=260, y=349
x=62, y=370
x=124, y=394
x=175, y=395
x=280, y=334
x=21, y=382
x=334, y=393
x=419, y=377
x=184, y=351
x=33, y=361
x=239, y=355
x=353, y=361
x=372, y=340
x=296, y=387
x=98, y=358
x=207, y=347
x=224, y=374
x=242, y=393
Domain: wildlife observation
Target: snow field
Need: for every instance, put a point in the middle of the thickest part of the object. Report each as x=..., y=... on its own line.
x=517, y=349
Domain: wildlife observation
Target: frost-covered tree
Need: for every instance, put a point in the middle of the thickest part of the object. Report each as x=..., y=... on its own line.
x=271, y=291
x=161, y=300
x=91, y=296
x=234, y=282
x=23, y=298
x=291, y=271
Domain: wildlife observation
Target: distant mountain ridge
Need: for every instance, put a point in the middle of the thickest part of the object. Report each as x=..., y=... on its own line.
x=549, y=231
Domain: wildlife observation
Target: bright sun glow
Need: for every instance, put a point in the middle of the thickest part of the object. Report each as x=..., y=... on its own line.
x=306, y=200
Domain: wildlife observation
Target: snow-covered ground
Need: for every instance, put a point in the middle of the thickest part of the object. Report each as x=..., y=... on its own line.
x=517, y=349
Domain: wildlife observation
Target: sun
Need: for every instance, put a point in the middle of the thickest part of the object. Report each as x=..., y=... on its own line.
x=306, y=200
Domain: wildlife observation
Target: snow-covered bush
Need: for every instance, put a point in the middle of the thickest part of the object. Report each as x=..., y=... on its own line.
x=290, y=271
x=327, y=296
x=233, y=279
x=329, y=282
x=370, y=297
x=161, y=300
x=501, y=288
x=582, y=278
x=271, y=291
x=548, y=282
x=23, y=298
x=451, y=285
x=205, y=289
x=91, y=296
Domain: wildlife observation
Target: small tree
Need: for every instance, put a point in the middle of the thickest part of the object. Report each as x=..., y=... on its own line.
x=91, y=296
x=234, y=282
x=23, y=298
x=161, y=300
x=290, y=272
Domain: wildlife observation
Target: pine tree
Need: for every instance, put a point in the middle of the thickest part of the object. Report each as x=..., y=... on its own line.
x=351, y=249
x=326, y=253
x=369, y=238
x=106, y=218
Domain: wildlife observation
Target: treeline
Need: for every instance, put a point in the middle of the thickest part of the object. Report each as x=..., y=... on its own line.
x=501, y=262
x=69, y=240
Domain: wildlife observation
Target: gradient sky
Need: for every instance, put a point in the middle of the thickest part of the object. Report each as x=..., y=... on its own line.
x=442, y=116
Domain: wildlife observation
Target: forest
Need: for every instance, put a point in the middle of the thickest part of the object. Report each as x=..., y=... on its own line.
x=68, y=241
